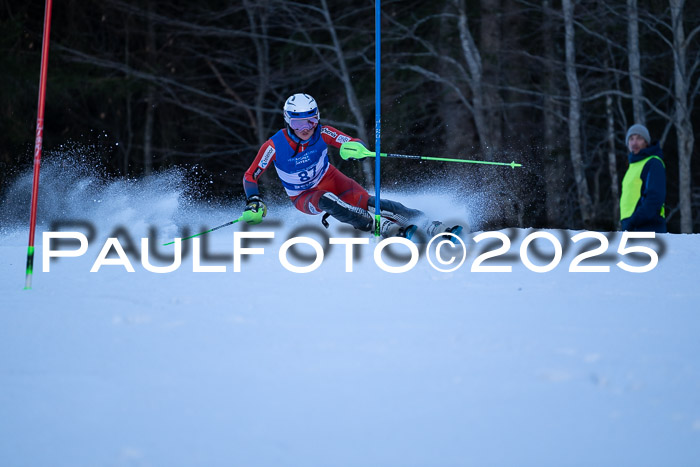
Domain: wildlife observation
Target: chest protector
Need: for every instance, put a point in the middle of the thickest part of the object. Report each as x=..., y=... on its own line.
x=632, y=188
x=304, y=170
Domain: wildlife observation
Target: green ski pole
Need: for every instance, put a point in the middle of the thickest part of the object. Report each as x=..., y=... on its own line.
x=355, y=150
x=210, y=230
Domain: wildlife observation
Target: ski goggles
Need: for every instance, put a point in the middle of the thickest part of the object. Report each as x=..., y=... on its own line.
x=301, y=124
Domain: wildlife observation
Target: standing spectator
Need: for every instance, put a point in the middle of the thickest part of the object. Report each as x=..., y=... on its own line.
x=643, y=196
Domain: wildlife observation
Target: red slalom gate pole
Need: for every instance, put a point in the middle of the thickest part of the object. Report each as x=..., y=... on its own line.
x=38, y=142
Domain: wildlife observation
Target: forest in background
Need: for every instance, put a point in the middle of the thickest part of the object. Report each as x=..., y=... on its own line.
x=552, y=84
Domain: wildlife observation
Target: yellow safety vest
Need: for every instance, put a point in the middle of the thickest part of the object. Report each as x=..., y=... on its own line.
x=632, y=188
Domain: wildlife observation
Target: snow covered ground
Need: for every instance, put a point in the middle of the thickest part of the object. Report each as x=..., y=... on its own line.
x=266, y=367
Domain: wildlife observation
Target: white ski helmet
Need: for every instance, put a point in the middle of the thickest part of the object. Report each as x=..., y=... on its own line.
x=300, y=106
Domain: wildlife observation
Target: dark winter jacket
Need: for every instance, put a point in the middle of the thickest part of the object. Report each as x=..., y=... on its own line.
x=648, y=215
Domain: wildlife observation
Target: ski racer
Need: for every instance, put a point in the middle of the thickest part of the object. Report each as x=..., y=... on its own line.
x=299, y=153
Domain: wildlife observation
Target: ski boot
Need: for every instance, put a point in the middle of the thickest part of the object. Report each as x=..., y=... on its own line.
x=438, y=228
x=388, y=228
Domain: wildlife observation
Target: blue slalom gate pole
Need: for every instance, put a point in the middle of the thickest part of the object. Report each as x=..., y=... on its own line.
x=378, y=112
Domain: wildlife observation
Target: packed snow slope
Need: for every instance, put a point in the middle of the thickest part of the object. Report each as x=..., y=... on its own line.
x=267, y=367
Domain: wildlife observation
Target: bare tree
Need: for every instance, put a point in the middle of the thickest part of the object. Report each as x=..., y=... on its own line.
x=681, y=116
x=459, y=132
x=150, y=96
x=348, y=85
x=584, y=197
x=554, y=169
x=490, y=48
x=472, y=57
x=258, y=14
x=634, y=59
x=612, y=160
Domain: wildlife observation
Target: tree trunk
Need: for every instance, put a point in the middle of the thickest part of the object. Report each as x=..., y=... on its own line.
x=148, y=133
x=350, y=94
x=150, y=96
x=612, y=162
x=459, y=131
x=575, y=115
x=681, y=118
x=126, y=147
x=262, y=49
x=552, y=166
x=634, y=59
x=490, y=49
x=473, y=58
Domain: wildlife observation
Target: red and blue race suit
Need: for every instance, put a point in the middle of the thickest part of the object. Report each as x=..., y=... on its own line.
x=304, y=169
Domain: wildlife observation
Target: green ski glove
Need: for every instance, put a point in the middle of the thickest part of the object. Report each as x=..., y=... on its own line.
x=255, y=210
